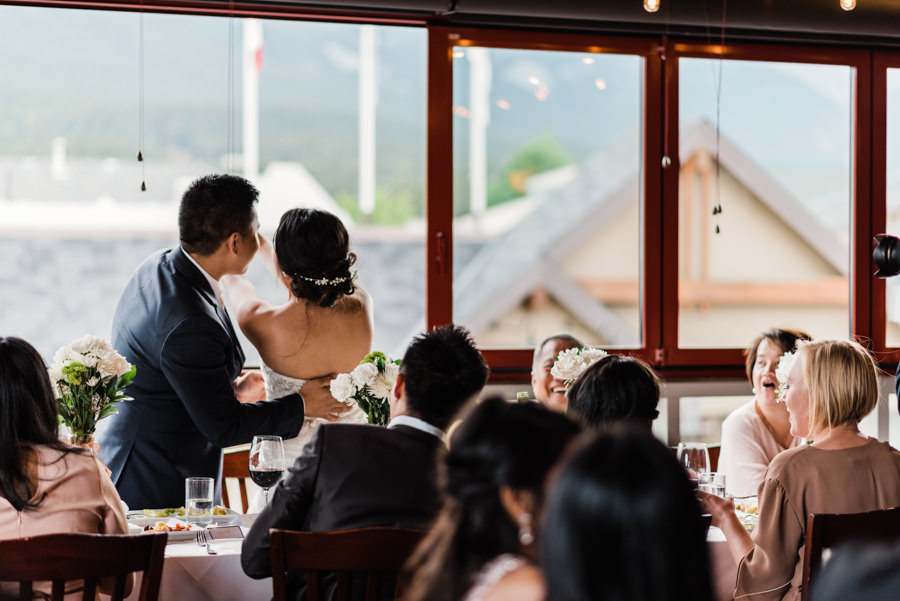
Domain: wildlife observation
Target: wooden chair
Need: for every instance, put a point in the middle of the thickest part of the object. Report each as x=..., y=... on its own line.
x=235, y=465
x=88, y=557
x=714, y=450
x=824, y=531
x=375, y=552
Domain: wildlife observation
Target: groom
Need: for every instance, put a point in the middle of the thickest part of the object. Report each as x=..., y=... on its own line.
x=170, y=322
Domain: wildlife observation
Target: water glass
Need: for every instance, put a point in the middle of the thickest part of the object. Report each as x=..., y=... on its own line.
x=198, y=499
x=694, y=457
x=713, y=483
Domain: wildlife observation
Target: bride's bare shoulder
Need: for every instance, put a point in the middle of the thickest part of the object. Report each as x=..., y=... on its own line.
x=358, y=302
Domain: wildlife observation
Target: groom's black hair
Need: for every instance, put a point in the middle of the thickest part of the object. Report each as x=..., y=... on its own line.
x=442, y=370
x=212, y=208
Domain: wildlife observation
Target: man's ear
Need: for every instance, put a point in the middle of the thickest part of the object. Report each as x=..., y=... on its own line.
x=399, y=387
x=232, y=242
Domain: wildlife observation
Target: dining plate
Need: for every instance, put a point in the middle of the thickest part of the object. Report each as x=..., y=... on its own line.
x=139, y=518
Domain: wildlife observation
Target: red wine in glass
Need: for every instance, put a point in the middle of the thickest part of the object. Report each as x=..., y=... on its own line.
x=266, y=477
x=266, y=462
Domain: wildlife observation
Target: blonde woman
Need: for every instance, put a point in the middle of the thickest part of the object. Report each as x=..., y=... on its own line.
x=831, y=386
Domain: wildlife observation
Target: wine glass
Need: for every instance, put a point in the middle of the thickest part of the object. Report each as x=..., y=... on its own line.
x=694, y=457
x=266, y=462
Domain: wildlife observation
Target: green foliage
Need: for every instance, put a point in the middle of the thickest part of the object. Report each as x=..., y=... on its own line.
x=538, y=155
x=392, y=207
x=82, y=404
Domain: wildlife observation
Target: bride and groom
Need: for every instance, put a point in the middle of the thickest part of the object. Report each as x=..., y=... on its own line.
x=190, y=398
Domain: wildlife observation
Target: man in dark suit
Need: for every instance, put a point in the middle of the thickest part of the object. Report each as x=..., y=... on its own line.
x=187, y=395
x=354, y=476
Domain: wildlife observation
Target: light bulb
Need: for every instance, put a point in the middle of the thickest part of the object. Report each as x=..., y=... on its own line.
x=848, y=4
x=651, y=6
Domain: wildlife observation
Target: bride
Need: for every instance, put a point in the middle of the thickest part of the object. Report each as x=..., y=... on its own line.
x=325, y=327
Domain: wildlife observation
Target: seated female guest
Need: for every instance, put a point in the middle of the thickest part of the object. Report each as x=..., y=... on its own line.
x=757, y=431
x=482, y=545
x=46, y=487
x=613, y=389
x=622, y=522
x=831, y=386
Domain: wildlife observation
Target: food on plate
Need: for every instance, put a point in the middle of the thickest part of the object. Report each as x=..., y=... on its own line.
x=165, y=513
x=219, y=510
x=748, y=506
x=167, y=527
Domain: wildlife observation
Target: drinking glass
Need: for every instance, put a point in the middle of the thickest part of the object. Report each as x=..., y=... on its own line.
x=694, y=456
x=198, y=499
x=713, y=483
x=266, y=462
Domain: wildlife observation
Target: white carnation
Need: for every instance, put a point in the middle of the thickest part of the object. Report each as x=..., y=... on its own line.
x=364, y=374
x=56, y=374
x=568, y=365
x=113, y=364
x=591, y=355
x=342, y=387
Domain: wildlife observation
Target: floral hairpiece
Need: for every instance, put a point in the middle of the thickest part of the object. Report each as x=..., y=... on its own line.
x=330, y=281
x=782, y=371
x=572, y=362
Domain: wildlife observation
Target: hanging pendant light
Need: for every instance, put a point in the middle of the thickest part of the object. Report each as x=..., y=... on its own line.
x=848, y=4
x=651, y=6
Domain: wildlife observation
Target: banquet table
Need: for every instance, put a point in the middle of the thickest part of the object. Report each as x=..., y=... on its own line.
x=190, y=574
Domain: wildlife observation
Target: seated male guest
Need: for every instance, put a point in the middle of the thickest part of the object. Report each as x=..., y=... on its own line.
x=550, y=391
x=357, y=475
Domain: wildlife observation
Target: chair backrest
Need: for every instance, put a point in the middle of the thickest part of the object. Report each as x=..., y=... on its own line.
x=375, y=552
x=87, y=557
x=714, y=451
x=235, y=464
x=824, y=531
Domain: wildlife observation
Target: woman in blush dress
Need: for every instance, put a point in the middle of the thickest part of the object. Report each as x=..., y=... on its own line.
x=482, y=546
x=758, y=430
x=832, y=385
x=324, y=327
x=46, y=487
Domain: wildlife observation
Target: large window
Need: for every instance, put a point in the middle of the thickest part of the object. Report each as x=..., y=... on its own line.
x=547, y=195
x=892, y=193
x=764, y=200
x=320, y=115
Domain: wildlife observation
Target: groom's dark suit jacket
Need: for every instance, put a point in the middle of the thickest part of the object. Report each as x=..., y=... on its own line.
x=172, y=327
x=349, y=476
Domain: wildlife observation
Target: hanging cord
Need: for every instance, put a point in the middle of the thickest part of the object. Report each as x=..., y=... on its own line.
x=140, y=154
x=230, y=95
x=717, y=77
x=662, y=51
x=717, y=210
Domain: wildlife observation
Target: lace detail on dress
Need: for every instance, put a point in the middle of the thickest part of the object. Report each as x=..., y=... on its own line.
x=278, y=385
x=493, y=572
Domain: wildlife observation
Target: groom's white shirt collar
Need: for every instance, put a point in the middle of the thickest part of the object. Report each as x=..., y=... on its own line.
x=418, y=424
x=213, y=283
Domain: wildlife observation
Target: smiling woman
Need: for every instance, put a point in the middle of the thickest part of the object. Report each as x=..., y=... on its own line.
x=758, y=430
x=831, y=386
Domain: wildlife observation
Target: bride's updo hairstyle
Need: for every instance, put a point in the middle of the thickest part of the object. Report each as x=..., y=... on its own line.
x=313, y=250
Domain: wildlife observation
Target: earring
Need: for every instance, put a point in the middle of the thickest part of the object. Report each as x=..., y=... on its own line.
x=526, y=537
x=753, y=390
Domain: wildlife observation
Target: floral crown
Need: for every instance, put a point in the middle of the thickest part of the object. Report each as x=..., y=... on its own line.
x=330, y=281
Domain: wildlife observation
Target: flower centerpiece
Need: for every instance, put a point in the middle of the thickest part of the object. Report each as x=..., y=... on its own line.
x=572, y=362
x=781, y=373
x=89, y=377
x=369, y=385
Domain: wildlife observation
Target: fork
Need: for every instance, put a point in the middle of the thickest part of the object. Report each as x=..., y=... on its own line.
x=204, y=542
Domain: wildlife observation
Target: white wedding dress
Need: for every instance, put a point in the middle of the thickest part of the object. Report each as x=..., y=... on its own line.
x=278, y=385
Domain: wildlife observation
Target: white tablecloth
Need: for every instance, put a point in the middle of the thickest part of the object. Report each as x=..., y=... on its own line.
x=190, y=574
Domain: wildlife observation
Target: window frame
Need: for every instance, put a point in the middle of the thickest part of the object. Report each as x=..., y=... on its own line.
x=659, y=277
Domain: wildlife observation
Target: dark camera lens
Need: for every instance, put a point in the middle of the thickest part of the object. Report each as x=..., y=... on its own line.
x=886, y=255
